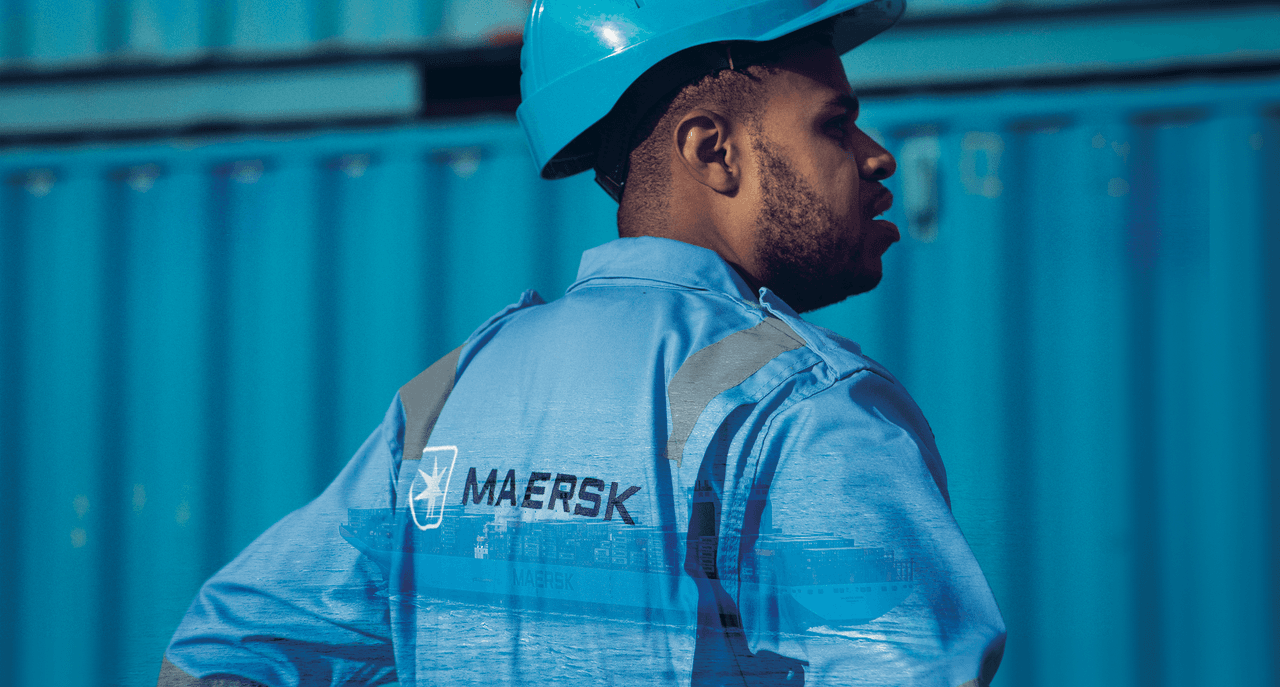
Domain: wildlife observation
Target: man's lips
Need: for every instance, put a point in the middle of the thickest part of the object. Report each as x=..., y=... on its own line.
x=880, y=202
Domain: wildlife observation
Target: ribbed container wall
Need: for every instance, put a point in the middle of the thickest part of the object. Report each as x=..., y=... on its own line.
x=195, y=334
x=58, y=34
x=1087, y=327
x=63, y=34
x=929, y=8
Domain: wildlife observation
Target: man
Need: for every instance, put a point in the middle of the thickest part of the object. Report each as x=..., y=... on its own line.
x=666, y=476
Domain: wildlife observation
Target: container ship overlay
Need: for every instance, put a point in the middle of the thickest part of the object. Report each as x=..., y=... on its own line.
x=570, y=566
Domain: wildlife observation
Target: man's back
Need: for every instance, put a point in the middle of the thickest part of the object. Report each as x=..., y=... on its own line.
x=658, y=478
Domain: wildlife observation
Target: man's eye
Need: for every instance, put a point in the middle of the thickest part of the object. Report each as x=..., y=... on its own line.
x=838, y=128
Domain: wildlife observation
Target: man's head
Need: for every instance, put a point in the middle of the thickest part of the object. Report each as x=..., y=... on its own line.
x=765, y=165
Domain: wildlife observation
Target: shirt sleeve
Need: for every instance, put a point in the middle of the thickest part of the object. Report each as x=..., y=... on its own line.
x=852, y=562
x=301, y=606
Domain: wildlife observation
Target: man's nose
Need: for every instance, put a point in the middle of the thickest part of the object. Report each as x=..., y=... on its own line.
x=874, y=162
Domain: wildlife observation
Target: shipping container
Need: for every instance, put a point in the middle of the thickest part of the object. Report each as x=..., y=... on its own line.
x=58, y=35
x=196, y=332
x=51, y=36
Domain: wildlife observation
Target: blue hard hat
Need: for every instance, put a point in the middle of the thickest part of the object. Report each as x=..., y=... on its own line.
x=580, y=57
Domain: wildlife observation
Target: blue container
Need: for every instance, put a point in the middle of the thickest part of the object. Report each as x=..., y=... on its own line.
x=196, y=333
x=1085, y=325
x=50, y=35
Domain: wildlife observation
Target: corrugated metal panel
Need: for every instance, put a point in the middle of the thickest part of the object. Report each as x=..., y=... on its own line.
x=245, y=97
x=187, y=346
x=195, y=334
x=1085, y=331
x=1069, y=45
x=57, y=34
x=934, y=8
x=68, y=34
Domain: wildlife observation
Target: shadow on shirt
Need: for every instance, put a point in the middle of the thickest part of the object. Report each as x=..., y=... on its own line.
x=721, y=655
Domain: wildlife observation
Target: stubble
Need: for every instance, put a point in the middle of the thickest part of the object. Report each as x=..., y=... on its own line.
x=805, y=256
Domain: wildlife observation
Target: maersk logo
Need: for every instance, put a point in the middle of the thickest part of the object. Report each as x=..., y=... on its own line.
x=589, y=491
x=426, y=482
x=544, y=579
x=426, y=495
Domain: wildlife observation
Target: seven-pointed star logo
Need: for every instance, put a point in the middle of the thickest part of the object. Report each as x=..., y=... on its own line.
x=432, y=493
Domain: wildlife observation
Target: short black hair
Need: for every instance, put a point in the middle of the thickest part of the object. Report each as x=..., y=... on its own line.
x=738, y=94
x=728, y=77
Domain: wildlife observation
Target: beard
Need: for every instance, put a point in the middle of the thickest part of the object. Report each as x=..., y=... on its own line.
x=805, y=254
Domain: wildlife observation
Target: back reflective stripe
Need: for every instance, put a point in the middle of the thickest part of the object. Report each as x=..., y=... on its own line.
x=718, y=368
x=423, y=398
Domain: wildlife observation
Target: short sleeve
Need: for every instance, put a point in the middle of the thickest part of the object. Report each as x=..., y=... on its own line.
x=851, y=560
x=300, y=605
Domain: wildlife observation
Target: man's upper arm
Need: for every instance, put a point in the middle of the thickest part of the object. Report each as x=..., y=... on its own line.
x=859, y=567
x=300, y=605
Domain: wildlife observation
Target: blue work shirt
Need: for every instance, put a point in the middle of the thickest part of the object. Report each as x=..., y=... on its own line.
x=660, y=478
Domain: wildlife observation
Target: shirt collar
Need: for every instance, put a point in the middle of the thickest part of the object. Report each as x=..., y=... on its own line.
x=684, y=264
x=664, y=260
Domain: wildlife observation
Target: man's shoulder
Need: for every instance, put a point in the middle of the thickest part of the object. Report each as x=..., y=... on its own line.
x=855, y=352
x=858, y=391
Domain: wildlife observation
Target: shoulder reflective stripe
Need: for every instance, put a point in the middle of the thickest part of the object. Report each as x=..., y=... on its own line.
x=423, y=397
x=718, y=368
x=173, y=676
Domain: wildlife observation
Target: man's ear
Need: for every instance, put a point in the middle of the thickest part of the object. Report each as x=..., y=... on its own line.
x=710, y=150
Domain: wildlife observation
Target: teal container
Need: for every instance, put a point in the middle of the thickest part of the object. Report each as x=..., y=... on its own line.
x=196, y=333
x=59, y=35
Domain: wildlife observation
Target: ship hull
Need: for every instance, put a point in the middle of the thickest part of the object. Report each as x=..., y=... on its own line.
x=849, y=604
x=623, y=594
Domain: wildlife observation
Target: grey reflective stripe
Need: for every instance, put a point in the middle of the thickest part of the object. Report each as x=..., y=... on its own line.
x=173, y=676
x=718, y=368
x=423, y=397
